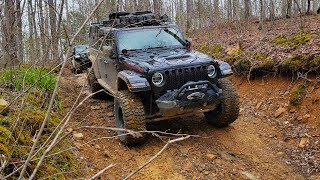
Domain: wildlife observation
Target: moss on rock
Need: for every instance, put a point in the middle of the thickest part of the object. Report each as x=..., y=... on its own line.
x=293, y=41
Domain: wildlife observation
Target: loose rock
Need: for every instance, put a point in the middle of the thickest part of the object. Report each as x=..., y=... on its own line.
x=293, y=110
x=280, y=153
x=110, y=114
x=3, y=110
x=249, y=175
x=303, y=142
x=95, y=107
x=307, y=116
x=279, y=112
x=211, y=157
x=259, y=105
x=78, y=135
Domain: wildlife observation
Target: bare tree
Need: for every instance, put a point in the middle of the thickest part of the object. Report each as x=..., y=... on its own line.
x=53, y=30
x=289, y=9
x=272, y=14
x=309, y=7
x=41, y=23
x=216, y=9
x=247, y=9
x=262, y=15
x=189, y=15
x=157, y=6
x=8, y=30
x=19, y=39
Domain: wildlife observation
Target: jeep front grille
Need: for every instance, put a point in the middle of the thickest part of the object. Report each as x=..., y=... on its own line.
x=176, y=78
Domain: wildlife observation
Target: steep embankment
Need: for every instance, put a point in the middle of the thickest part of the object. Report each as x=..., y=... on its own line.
x=282, y=47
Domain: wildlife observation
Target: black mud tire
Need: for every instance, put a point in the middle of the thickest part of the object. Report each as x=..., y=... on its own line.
x=129, y=114
x=76, y=68
x=228, y=110
x=95, y=86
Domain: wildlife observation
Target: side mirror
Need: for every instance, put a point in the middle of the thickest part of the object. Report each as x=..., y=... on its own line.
x=188, y=42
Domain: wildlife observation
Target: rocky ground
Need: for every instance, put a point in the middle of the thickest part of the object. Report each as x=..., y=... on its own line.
x=270, y=139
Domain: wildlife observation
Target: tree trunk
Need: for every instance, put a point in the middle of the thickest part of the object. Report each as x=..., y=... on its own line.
x=271, y=10
x=289, y=9
x=135, y=5
x=315, y=5
x=216, y=9
x=53, y=30
x=189, y=15
x=236, y=10
x=19, y=38
x=9, y=40
x=247, y=9
x=44, y=46
x=31, y=34
x=35, y=31
x=262, y=15
x=157, y=6
x=309, y=7
x=229, y=10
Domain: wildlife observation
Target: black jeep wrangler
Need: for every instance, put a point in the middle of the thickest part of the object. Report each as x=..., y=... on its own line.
x=80, y=59
x=146, y=64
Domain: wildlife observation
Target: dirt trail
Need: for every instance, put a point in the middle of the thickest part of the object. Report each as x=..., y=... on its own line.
x=251, y=148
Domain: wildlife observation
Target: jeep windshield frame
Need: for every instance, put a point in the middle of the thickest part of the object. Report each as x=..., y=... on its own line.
x=134, y=39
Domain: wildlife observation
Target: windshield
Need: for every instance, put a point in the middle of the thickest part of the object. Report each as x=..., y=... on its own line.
x=148, y=38
x=81, y=49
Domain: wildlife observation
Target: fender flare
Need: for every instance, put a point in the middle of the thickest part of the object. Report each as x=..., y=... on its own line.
x=134, y=81
x=225, y=68
x=92, y=56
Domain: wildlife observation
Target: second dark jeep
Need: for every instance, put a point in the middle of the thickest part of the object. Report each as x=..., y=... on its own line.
x=147, y=65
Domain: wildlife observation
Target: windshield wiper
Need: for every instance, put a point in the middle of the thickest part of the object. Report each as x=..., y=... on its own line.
x=181, y=41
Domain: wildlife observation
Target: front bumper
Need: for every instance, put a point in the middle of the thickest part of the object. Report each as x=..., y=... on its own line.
x=189, y=95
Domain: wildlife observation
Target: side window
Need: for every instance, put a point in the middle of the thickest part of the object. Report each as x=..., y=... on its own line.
x=92, y=32
x=93, y=35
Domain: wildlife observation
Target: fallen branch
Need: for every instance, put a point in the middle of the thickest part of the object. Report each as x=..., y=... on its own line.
x=156, y=155
x=101, y=172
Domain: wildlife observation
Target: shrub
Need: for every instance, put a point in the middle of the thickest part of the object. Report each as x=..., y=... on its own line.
x=17, y=77
x=297, y=95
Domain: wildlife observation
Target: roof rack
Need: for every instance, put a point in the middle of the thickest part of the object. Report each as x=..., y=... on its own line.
x=133, y=19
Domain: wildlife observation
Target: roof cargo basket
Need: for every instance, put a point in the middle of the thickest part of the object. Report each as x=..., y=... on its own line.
x=134, y=19
x=117, y=15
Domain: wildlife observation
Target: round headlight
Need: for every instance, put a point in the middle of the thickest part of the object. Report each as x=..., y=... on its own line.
x=211, y=71
x=157, y=79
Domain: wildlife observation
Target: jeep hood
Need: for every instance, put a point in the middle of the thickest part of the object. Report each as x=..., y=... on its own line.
x=163, y=59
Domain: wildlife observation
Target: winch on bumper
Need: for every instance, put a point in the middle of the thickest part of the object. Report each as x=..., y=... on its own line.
x=190, y=95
